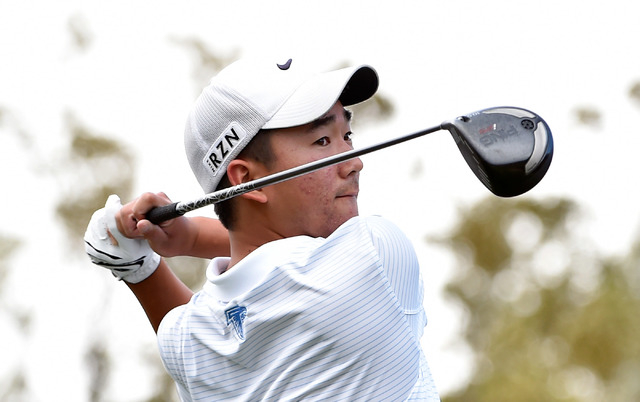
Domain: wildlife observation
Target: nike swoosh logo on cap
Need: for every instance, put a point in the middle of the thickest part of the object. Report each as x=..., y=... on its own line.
x=285, y=66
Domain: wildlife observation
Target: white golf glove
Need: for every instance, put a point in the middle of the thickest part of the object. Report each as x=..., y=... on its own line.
x=131, y=260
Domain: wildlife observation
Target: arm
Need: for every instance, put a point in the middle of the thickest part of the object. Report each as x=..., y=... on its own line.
x=160, y=293
x=159, y=290
x=196, y=237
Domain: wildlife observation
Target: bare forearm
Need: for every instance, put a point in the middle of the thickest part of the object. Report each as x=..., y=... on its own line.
x=212, y=239
x=160, y=293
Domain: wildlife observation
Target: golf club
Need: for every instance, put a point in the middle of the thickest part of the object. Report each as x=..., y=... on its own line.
x=508, y=148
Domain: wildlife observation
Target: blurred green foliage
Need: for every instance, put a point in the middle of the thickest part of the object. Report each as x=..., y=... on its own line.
x=8, y=246
x=569, y=333
x=95, y=166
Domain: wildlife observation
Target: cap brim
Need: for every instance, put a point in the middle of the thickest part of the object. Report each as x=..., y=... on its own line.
x=320, y=92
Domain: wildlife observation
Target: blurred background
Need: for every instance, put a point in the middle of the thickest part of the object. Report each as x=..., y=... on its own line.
x=532, y=298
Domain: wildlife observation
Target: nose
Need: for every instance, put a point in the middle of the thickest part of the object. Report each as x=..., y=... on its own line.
x=352, y=166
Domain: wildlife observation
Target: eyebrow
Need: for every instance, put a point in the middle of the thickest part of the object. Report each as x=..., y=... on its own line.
x=328, y=119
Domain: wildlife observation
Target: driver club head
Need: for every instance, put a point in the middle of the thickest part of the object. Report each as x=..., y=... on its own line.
x=508, y=148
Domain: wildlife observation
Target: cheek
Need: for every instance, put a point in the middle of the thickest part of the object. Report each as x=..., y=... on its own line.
x=316, y=186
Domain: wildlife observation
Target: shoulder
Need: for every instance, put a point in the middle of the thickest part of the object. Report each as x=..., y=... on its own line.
x=200, y=314
x=380, y=230
x=383, y=236
x=392, y=246
x=398, y=259
x=372, y=224
x=169, y=328
x=169, y=340
x=380, y=227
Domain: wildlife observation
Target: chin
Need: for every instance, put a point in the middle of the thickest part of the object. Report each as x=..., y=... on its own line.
x=336, y=223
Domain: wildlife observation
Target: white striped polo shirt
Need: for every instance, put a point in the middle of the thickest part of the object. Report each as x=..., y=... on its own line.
x=306, y=319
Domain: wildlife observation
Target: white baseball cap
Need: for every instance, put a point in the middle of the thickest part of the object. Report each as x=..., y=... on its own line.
x=250, y=95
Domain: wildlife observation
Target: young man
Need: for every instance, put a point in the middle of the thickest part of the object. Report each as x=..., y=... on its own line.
x=313, y=302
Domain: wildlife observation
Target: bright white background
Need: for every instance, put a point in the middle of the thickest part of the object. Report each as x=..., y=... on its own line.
x=436, y=60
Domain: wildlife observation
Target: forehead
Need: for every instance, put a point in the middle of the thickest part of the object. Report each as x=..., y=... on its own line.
x=337, y=117
x=337, y=114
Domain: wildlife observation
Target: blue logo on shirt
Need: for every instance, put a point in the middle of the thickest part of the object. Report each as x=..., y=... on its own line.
x=236, y=315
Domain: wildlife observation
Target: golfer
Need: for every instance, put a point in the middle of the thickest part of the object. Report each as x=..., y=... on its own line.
x=304, y=299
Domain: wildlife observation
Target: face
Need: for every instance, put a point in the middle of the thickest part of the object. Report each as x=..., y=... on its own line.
x=317, y=203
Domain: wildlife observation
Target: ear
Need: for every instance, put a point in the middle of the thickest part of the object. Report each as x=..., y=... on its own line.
x=241, y=171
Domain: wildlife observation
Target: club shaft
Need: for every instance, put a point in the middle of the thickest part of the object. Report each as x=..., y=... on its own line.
x=161, y=214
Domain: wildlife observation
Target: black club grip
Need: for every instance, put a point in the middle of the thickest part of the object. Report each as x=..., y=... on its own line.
x=161, y=214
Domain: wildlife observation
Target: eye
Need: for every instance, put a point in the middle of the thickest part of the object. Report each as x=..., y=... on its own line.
x=348, y=136
x=324, y=141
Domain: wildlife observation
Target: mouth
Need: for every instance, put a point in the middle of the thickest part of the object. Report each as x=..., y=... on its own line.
x=350, y=194
x=350, y=191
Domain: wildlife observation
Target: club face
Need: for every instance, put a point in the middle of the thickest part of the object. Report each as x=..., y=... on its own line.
x=508, y=148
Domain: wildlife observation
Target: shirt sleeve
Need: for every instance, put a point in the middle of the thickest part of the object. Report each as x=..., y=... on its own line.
x=169, y=341
x=400, y=264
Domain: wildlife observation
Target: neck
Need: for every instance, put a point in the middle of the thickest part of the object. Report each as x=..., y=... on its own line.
x=244, y=241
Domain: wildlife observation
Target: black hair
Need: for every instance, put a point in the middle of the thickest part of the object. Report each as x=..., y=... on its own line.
x=259, y=150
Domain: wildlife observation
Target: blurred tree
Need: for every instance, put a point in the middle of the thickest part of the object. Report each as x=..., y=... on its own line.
x=80, y=34
x=98, y=362
x=547, y=319
x=634, y=93
x=190, y=270
x=207, y=61
x=588, y=116
x=13, y=386
x=377, y=109
x=15, y=389
x=8, y=245
x=93, y=167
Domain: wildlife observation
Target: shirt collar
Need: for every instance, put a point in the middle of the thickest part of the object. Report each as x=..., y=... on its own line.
x=250, y=271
